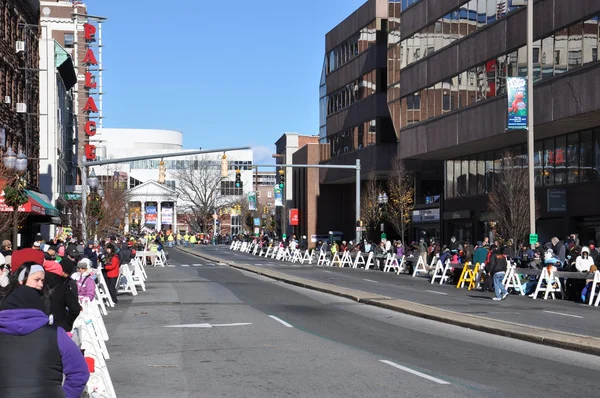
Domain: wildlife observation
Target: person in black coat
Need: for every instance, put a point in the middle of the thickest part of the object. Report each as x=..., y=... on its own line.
x=62, y=302
x=89, y=252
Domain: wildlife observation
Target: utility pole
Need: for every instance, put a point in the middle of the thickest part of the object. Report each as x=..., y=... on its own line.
x=530, y=123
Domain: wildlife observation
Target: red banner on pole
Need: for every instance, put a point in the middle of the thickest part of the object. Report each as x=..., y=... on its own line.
x=293, y=217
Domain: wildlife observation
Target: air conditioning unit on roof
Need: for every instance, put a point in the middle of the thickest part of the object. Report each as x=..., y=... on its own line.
x=21, y=108
x=7, y=99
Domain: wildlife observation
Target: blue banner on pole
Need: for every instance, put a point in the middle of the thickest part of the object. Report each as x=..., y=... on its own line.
x=278, y=197
x=517, y=103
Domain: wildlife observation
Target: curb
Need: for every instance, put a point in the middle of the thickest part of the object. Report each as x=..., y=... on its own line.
x=548, y=337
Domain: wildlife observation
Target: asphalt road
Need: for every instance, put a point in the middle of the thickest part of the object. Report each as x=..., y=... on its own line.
x=269, y=339
x=565, y=316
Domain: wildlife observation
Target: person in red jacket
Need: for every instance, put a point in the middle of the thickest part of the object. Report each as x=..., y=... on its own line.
x=111, y=266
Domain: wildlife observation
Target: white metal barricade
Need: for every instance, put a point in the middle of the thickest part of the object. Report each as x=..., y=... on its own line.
x=102, y=291
x=370, y=261
x=421, y=267
x=440, y=272
x=346, y=260
x=512, y=280
x=322, y=260
x=553, y=285
x=129, y=285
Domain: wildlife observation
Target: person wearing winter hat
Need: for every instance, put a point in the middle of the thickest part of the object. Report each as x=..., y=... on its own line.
x=62, y=293
x=111, y=266
x=92, y=254
x=584, y=261
x=31, y=347
x=86, y=287
x=6, y=248
x=19, y=257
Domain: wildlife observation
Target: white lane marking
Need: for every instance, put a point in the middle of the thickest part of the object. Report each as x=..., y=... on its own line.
x=284, y=323
x=206, y=325
x=171, y=265
x=369, y=280
x=434, y=292
x=560, y=313
x=416, y=373
x=185, y=265
x=196, y=265
x=329, y=272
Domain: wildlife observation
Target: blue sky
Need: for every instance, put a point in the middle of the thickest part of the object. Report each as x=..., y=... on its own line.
x=226, y=73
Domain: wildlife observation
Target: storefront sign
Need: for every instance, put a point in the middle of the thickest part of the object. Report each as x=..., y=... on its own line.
x=294, y=218
x=257, y=221
x=557, y=200
x=252, y=201
x=278, y=197
x=426, y=215
x=457, y=215
x=90, y=61
x=517, y=103
x=167, y=215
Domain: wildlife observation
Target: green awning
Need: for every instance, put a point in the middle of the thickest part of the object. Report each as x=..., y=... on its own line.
x=44, y=202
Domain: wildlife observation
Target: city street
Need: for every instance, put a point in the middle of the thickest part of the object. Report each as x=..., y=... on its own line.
x=558, y=315
x=207, y=330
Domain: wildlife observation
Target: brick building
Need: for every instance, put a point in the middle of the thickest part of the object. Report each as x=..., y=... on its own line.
x=19, y=81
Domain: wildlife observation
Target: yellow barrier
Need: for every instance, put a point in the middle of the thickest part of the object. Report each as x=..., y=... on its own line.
x=469, y=276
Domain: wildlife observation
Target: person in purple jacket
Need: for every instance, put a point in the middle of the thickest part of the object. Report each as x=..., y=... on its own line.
x=36, y=355
x=86, y=286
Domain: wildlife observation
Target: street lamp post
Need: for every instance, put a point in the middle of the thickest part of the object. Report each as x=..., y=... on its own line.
x=382, y=199
x=14, y=195
x=530, y=125
x=92, y=182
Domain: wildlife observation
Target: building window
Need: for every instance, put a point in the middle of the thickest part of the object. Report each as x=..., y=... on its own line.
x=69, y=40
x=236, y=225
x=446, y=102
x=170, y=184
x=269, y=194
x=413, y=101
x=536, y=55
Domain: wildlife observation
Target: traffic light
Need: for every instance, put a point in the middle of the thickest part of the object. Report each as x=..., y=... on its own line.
x=265, y=209
x=281, y=178
x=238, y=179
x=224, y=167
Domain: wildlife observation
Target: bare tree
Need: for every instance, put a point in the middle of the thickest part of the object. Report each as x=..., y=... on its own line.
x=199, y=189
x=401, y=199
x=105, y=215
x=508, y=201
x=369, y=208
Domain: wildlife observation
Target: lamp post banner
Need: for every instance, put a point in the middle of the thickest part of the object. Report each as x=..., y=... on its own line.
x=252, y=201
x=517, y=103
x=278, y=197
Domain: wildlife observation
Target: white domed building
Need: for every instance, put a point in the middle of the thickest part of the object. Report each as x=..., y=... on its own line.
x=157, y=201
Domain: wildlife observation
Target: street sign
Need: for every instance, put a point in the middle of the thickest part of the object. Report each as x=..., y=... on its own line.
x=383, y=236
x=256, y=221
x=72, y=196
x=284, y=236
x=533, y=239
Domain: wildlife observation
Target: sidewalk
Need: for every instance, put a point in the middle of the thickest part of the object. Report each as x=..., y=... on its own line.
x=551, y=322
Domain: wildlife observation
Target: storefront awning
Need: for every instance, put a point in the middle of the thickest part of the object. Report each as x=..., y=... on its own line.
x=44, y=201
x=38, y=204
